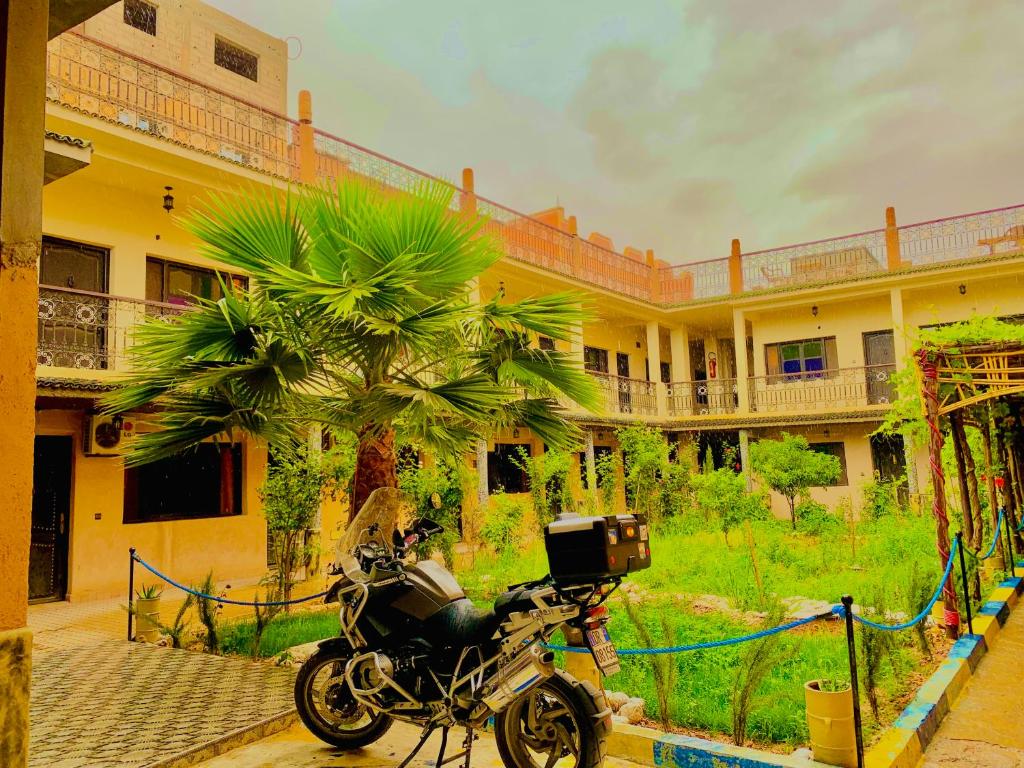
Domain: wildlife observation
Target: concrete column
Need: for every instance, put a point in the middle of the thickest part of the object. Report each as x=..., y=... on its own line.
x=745, y=458
x=739, y=333
x=654, y=365
x=680, y=340
x=482, y=492
x=900, y=334
x=591, y=467
x=467, y=198
x=735, y=268
x=21, y=221
x=307, y=145
x=892, y=240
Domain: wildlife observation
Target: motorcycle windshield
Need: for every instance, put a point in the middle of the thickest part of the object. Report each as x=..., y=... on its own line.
x=385, y=511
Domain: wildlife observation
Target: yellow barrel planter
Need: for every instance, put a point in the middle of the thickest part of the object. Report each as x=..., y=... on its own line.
x=830, y=723
x=147, y=615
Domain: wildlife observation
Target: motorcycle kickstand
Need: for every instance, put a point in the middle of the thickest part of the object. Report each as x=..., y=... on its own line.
x=444, y=743
x=423, y=740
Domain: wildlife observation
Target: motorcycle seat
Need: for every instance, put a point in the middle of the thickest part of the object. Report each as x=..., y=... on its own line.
x=514, y=601
x=461, y=623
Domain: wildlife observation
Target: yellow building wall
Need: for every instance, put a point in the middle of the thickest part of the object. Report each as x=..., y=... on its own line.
x=1003, y=295
x=184, y=42
x=232, y=547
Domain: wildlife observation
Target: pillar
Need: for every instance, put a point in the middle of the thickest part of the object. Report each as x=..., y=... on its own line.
x=900, y=346
x=482, y=491
x=735, y=268
x=745, y=458
x=576, y=340
x=591, y=466
x=739, y=333
x=307, y=146
x=892, y=240
x=654, y=364
x=679, y=338
x=21, y=219
x=467, y=197
x=655, y=277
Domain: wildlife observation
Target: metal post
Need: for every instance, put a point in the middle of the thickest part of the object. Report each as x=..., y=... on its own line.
x=131, y=587
x=963, y=578
x=1009, y=546
x=851, y=649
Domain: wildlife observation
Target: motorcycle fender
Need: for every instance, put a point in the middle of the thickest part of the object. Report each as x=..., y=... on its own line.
x=335, y=645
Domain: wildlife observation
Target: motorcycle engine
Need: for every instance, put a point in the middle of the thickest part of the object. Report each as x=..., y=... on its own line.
x=397, y=680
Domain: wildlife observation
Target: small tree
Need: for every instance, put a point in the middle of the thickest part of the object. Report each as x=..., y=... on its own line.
x=646, y=462
x=437, y=492
x=789, y=467
x=722, y=493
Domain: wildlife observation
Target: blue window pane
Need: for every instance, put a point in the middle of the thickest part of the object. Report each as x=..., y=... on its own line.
x=791, y=366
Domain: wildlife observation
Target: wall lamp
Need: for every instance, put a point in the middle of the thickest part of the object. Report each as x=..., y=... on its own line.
x=962, y=289
x=814, y=310
x=168, y=200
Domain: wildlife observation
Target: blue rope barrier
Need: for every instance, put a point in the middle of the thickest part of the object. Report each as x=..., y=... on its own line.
x=927, y=609
x=226, y=600
x=709, y=644
x=995, y=537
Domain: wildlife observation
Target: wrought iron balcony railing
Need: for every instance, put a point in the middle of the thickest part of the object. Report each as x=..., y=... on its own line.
x=91, y=331
x=836, y=389
x=627, y=396
x=708, y=397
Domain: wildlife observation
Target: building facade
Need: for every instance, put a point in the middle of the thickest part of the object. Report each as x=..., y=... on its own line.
x=152, y=106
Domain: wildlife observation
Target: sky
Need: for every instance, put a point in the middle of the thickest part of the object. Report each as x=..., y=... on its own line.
x=679, y=125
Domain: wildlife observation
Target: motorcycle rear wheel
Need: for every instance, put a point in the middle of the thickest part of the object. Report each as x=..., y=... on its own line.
x=560, y=718
x=326, y=706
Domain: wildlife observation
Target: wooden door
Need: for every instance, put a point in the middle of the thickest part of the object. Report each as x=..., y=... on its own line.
x=51, y=519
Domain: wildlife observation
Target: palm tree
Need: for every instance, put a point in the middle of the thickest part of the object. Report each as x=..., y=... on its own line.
x=359, y=318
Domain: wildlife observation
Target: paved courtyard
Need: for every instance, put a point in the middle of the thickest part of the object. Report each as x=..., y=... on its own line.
x=984, y=730
x=99, y=701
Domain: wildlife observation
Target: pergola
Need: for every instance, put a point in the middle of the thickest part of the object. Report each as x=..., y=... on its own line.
x=980, y=384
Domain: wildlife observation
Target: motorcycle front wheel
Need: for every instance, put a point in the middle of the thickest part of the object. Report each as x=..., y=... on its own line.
x=327, y=708
x=560, y=718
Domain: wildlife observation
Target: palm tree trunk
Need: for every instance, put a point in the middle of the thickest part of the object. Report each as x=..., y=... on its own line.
x=376, y=465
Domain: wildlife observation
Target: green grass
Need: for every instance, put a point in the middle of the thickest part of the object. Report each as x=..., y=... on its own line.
x=283, y=632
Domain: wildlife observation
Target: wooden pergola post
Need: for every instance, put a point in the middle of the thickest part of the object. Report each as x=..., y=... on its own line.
x=930, y=391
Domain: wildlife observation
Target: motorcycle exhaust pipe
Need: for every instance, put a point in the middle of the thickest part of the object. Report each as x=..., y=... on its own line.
x=519, y=676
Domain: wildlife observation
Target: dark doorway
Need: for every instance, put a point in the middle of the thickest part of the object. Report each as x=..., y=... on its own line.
x=890, y=462
x=879, y=364
x=718, y=449
x=51, y=519
x=622, y=370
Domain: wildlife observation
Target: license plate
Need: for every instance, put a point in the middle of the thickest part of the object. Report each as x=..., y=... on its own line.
x=603, y=650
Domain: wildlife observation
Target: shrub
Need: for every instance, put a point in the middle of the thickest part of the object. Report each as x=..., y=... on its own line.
x=209, y=614
x=548, y=475
x=881, y=497
x=755, y=665
x=815, y=518
x=663, y=666
x=608, y=466
x=504, y=519
x=789, y=467
x=444, y=484
x=645, y=463
x=722, y=495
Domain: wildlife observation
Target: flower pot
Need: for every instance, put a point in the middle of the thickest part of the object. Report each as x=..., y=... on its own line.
x=830, y=723
x=938, y=613
x=147, y=616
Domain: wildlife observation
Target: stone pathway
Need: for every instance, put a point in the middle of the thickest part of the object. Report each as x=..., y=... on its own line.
x=984, y=730
x=297, y=748
x=99, y=701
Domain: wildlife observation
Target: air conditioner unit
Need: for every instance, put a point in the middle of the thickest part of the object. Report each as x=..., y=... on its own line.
x=106, y=435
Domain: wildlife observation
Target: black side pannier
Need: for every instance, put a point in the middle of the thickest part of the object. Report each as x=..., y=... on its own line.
x=588, y=549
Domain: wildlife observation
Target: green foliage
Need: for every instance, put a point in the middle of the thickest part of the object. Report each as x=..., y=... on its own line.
x=789, y=467
x=359, y=318
x=609, y=465
x=663, y=667
x=148, y=592
x=875, y=647
x=209, y=614
x=721, y=495
x=646, y=462
x=297, y=628
x=756, y=663
x=916, y=593
x=502, y=528
x=881, y=497
x=550, y=488
x=444, y=482
x=815, y=518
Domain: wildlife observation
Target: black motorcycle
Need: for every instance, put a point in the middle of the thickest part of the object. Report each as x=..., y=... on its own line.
x=414, y=648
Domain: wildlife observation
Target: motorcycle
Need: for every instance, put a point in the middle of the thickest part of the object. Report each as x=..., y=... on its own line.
x=414, y=648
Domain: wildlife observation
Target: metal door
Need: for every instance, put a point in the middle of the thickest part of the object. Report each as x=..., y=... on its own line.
x=73, y=322
x=879, y=364
x=622, y=370
x=51, y=519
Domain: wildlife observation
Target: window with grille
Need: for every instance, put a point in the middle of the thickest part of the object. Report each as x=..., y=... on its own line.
x=806, y=359
x=141, y=15
x=546, y=343
x=595, y=359
x=837, y=449
x=174, y=283
x=238, y=60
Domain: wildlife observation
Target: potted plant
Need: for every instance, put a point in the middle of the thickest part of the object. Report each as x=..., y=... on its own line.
x=147, y=613
x=830, y=721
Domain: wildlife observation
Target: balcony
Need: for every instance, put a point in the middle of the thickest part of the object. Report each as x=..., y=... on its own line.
x=627, y=397
x=832, y=390
x=90, y=331
x=714, y=397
